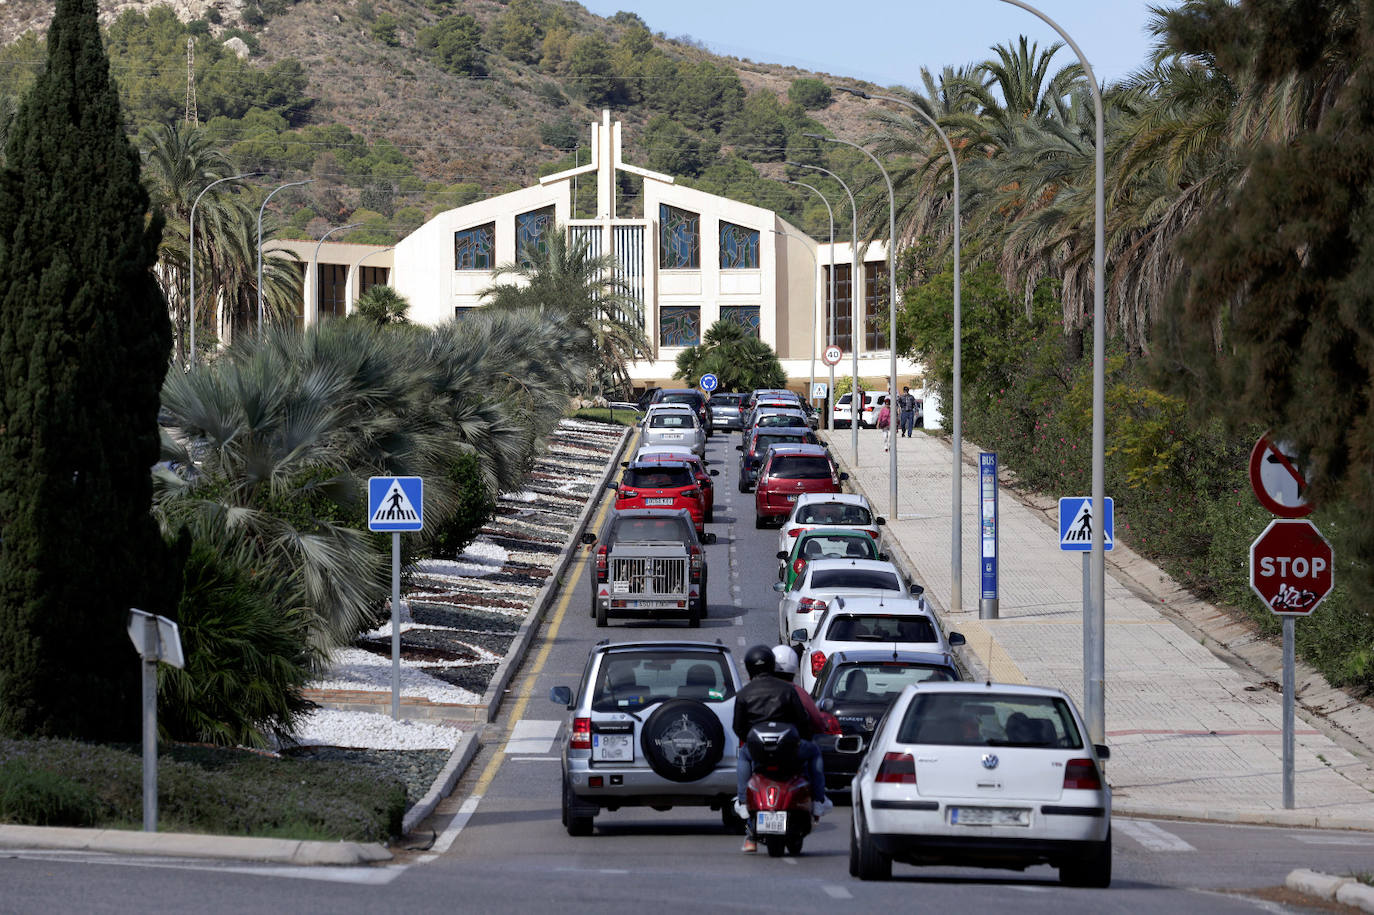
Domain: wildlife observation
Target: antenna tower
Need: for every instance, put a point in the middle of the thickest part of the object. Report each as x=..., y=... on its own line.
x=192, y=117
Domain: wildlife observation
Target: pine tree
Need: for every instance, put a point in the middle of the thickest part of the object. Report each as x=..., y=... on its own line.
x=84, y=344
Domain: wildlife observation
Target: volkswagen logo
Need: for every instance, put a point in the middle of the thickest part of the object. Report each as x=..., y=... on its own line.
x=989, y=760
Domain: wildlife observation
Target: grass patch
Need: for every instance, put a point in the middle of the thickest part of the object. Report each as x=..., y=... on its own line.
x=604, y=415
x=200, y=790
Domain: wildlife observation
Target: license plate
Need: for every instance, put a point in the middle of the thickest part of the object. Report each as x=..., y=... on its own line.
x=673, y=436
x=612, y=748
x=658, y=501
x=989, y=816
x=792, y=497
x=771, y=822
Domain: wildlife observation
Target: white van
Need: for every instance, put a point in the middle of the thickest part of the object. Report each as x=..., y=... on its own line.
x=841, y=415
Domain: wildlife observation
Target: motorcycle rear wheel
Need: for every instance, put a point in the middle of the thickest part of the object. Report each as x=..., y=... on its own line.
x=776, y=845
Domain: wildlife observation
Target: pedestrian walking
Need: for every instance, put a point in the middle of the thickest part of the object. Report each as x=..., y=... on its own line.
x=906, y=412
x=884, y=421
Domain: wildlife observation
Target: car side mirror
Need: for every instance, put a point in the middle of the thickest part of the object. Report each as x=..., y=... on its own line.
x=827, y=704
x=561, y=695
x=714, y=473
x=957, y=638
x=588, y=538
x=779, y=587
x=739, y=447
x=624, y=463
x=843, y=477
x=614, y=486
x=849, y=743
x=1103, y=751
x=883, y=557
x=882, y=520
x=800, y=635
x=917, y=590
x=708, y=538
x=782, y=554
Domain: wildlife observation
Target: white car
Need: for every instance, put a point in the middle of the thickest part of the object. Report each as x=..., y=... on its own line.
x=983, y=775
x=868, y=622
x=675, y=425
x=841, y=414
x=840, y=510
x=825, y=579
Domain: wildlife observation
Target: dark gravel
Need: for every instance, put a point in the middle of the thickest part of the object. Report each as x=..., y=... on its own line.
x=417, y=768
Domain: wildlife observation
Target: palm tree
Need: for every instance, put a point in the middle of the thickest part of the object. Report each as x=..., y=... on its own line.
x=739, y=360
x=382, y=305
x=565, y=279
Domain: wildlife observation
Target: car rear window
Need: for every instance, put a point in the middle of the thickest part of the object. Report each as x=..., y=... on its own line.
x=683, y=397
x=836, y=579
x=634, y=679
x=780, y=419
x=836, y=546
x=881, y=681
x=834, y=513
x=665, y=476
x=674, y=529
x=990, y=719
x=670, y=421
x=800, y=467
x=726, y=400
x=880, y=627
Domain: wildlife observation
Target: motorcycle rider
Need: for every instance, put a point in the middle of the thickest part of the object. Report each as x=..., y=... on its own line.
x=785, y=668
x=769, y=698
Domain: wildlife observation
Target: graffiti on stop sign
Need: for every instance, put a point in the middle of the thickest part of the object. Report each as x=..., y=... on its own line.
x=1290, y=567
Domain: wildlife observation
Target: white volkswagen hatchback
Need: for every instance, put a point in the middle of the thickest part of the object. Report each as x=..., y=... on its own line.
x=982, y=775
x=823, y=580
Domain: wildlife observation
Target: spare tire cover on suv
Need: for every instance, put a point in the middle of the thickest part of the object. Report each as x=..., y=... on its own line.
x=683, y=740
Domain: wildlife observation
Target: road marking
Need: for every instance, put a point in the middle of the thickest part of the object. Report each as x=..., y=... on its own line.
x=1029, y=889
x=791, y=861
x=367, y=876
x=455, y=826
x=536, y=759
x=532, y=736
x=742, y=641
x=837, y=892
x=1153, y=837
x=739, y=621
x=1358, y=842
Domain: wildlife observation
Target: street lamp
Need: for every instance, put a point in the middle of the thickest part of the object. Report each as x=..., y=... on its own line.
x=1094, y=616
x=956, y=591
x=815, y=268
x=315, y=265
x=193, y=252
x=830, y=414
x=260, y=209
x=892, y=316
x=854, y=414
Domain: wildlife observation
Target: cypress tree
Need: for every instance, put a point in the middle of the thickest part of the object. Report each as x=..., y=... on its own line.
x=84, y=345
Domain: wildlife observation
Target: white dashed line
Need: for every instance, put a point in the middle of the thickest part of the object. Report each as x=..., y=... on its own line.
x=837, y=892
x=1152, y=837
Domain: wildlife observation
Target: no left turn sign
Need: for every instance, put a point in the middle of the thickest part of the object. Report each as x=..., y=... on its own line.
x=1278, y=482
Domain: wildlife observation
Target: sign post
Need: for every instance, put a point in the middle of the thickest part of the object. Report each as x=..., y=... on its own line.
x=1290, y=570
x=1076, y=536
x=395, y=504
x=987, y=489
x=157, y=639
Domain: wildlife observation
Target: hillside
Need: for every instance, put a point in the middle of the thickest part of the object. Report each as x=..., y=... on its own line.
x=446, y=101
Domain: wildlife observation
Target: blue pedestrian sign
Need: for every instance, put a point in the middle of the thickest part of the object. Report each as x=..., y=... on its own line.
x=708, y=382
x=1076, y=524
x=395, y=503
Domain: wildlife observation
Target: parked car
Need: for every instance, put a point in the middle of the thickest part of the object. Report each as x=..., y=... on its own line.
x=841, y=412
x=649, y=726
x=983, y=775
x=785, y=473
x=693, y=398
x=725, y=411
x=857, y=686
x=841, y=510
x=822, y=580
x=661, y=484
x=860, y=621
x=756, y=444
x=649, y=564
x=825, y=543
x=674, y=454
x=674, y=425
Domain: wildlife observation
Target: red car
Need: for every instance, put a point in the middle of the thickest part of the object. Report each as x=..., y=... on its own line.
x=756, y=445
x=788, y=471
x=661, y=484
x=708, y=486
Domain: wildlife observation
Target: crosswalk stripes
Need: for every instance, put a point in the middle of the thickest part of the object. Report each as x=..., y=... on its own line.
x=1151, y=836
x=532, y=736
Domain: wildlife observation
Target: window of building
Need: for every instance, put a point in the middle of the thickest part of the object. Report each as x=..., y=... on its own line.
x=843, y=305
x=679, y=325
x=462, y=311
x=875, y=305
x=679, y=239
x=746, y=316
x=739, y=247
x=371, y=276
x=331, y=288
x=532, y=233
x=299, y=303
x=473, y=248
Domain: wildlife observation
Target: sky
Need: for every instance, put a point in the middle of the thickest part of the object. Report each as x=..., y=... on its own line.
x=888, y=41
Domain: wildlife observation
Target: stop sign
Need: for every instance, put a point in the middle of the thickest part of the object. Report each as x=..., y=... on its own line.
x=1290, y=567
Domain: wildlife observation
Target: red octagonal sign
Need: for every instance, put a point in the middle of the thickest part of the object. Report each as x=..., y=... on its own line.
x=1290, y=567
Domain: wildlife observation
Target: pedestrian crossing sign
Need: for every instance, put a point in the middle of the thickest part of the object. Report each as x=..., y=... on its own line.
x=395, y=503
x=1076, y=524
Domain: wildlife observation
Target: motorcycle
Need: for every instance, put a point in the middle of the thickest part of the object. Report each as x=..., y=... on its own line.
x=779, y=796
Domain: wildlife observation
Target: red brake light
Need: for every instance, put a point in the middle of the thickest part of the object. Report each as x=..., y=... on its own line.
x=629, y=494
x=817, y=662
x=581, y=734
x=603, y=558
x=693, y=492
x=873, y=534
x=792, y=532
x=798, y=566
x=807, y=604
x=696, y=563
x=832, y=724
x=897, y=769
x=1081, y=774
x=772, y=796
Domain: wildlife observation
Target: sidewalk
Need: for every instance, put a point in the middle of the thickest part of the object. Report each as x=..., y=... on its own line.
x=1191, y=735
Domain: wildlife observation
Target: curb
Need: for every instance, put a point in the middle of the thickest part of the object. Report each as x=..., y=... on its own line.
x=1345, y=890
x=193, y=845
x=443, y=783
x=1287, y=818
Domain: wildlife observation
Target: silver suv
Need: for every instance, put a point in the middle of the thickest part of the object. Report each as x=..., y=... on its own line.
x=650, y=727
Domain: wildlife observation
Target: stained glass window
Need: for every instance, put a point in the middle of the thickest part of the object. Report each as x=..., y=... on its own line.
x=472, y=248
x=739, y=247
x=679, y=325
x=746, y=316
x=531, y=233
x=679, y=239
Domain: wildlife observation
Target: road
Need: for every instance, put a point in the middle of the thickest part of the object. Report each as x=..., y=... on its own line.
x=500, y=846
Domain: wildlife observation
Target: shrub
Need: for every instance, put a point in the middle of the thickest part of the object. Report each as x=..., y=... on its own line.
x=809, y=93
x=41, y=797
x=474, y=508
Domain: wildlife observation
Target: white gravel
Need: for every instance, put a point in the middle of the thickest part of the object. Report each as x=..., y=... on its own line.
x=357, y=669
x=331, y=728
x=479, y=559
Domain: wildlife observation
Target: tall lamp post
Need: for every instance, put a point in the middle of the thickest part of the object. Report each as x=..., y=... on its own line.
x=193, y=253
x=855, y=411
x=830, y=414
x=815, y=309
x=315, y=265
x=892, y=317
x=956, y=591
x=1094, y=616
x=260, y=209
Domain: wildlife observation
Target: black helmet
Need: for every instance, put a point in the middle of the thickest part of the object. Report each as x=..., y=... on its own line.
x=759, y=660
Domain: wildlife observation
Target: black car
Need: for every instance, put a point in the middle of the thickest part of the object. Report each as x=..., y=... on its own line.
x=690, y=396
x=757, y=444
x=857, y=687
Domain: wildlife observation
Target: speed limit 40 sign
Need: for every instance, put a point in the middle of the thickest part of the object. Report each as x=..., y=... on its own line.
x=832, y=355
